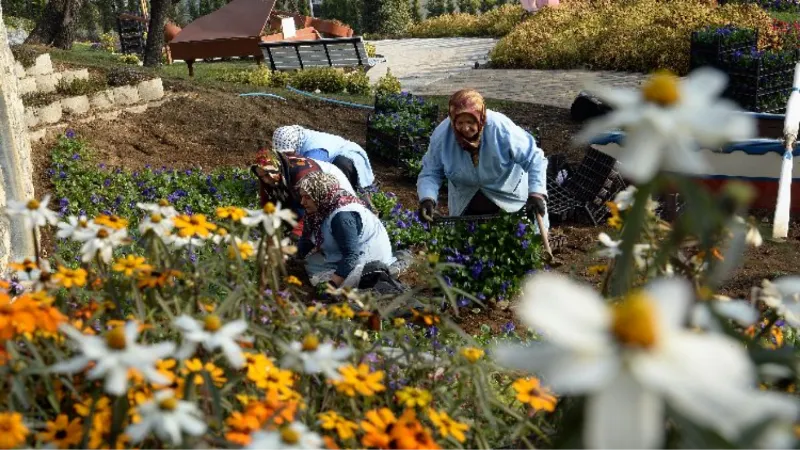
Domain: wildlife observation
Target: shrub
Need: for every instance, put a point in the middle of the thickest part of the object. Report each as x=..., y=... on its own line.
x=109, y=42
x=82, y=87
x=327, y=80
x=280, y=79
x=387, y=84
x=18, y=23
x=121, y=76
x=495, y=23
x=129, y=59
x=357, y=83
x=637, y=35
x=259, y=76
x=25, y=55
x=37, y=99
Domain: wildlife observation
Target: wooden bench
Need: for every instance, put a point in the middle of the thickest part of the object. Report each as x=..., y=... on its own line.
x=302, y=54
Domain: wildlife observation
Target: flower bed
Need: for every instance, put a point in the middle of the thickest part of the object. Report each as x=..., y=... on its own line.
x=491, y=257
x=399, y=131
x=710, y=44
x=137, y=343
x=761, y=81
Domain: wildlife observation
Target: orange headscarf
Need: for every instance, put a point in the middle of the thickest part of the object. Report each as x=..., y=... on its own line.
x=468, y=101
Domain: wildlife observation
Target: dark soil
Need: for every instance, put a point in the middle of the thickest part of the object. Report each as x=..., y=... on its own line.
x=208, y=128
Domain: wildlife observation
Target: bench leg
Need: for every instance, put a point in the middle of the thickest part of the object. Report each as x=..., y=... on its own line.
x=190, y=65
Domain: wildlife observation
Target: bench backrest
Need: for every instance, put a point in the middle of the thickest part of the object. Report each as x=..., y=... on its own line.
x=334, y=52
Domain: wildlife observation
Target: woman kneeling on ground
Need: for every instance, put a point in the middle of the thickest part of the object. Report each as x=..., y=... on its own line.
x=348, y=156
x=491, y=163
x=346, y=238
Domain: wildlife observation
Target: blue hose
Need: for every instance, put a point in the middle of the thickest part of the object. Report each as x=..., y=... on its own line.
x=262, y=94
x=339, y=102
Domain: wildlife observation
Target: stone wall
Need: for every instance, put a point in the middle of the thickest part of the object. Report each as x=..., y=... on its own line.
x=16, y=180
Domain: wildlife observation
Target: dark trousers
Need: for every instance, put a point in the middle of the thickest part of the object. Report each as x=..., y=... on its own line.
x=349, y=169
x=481, y=204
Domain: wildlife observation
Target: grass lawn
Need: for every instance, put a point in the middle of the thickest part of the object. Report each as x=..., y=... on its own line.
x=786, y=16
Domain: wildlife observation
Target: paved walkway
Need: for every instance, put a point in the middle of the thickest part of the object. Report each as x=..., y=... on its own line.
x=443, y=66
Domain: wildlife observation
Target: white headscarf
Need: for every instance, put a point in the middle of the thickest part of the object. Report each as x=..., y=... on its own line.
x=288, y=139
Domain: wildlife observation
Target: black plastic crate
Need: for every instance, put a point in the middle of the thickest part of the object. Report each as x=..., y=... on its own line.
x=594, y=177
x=392, y=103
x=394, y=147
x=710, y=53
x=764, y=102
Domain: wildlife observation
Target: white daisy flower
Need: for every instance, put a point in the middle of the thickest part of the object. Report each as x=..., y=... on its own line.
x=168, y=418
x=295, y=435
x=778, y=434
x=114, y=355
x=782, y=295
x=631, y=359
x=312, y=357
x=163, y=207
x=212, y=335
x=753, y=236
x=667, y=119
x=160, y=224
x=739, y=311
x=66, y=230
x=34, y=213
x=221, y=237
x=99, y=240
x=177, y=242
x=624, y=199
x=269, y=217
x=612, y=250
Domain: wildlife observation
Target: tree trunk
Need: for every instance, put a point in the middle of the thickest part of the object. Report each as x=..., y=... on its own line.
x=49, y=24
x=69, y=24
x=155, y=33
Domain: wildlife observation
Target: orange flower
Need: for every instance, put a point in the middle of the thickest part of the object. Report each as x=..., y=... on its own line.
x=376, y=428
x=13, y=431
x=241, y=425
x=62, y=432
x=113, y=222
x=530, y=392
x=409, y=433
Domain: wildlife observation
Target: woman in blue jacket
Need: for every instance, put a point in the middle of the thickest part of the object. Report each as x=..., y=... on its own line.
x=348, y=156
x=341, y=236
x=490, y=163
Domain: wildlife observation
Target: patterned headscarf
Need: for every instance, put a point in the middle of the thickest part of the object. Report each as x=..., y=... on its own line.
x=325, y=191
x=288, y=139
x=279, y=173
x=468, y=101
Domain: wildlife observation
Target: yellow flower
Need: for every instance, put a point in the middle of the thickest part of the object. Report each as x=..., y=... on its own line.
x=13, y=431
x=114, y=222
x=231, y=212
x=27, y=266
x=319, y=310
x=330, y=420
x=472, y=354
x=194, y=225
x=130, y=264
x=342, y=311
x=276, y=380
x=447, y=426
x=69, y=277
x=615, y=221
x=243, y=248
x=196, y=366
x=291, y=279
x=62, y=433
x=399, y=322
x=411, y=397
x=530, y=392
x=257, y=366
x=598, y=269
x=359, y=380
x=103, y=405
x=376, y=428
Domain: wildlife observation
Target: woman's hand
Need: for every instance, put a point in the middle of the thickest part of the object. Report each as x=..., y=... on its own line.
x=426, y=210
x=337, y=281
x=536, y=205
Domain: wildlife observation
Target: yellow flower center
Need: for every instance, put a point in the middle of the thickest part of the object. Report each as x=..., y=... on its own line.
x=662, y=89
x=156, y=218
x=33, y=204
x=310, y=343
x=269, y=208
x=163, y=203
x=83, y=223
x=212, y=323
x=116, y=338
x=289, y=436
x=102, y=233
x=634, y=321
x=168, y=404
